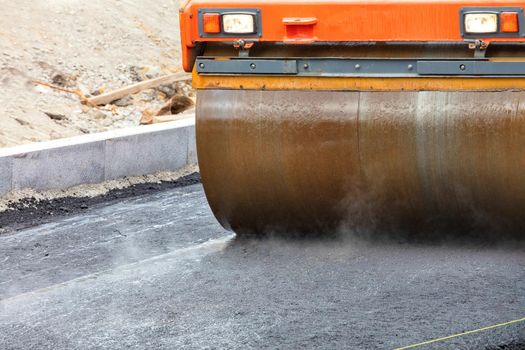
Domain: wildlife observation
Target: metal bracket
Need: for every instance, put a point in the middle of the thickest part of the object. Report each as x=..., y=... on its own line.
x=479, y=47
x=243, y=47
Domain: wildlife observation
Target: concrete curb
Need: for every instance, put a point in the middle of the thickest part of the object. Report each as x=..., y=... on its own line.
x=95, y=158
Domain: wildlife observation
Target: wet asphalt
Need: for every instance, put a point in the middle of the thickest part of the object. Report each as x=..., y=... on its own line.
x=157, y=272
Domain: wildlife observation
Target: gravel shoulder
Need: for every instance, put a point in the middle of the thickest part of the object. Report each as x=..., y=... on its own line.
x=86, y=46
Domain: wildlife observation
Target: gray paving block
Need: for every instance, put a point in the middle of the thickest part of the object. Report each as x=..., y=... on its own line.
x=59, y=167
x=147, y=153
x=6, y=174
x=192, y=146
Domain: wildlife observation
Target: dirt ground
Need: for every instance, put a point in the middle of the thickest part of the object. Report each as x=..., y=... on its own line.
x=92, y=46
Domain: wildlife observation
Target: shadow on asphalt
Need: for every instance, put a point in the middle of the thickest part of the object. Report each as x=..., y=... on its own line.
x=454, y=238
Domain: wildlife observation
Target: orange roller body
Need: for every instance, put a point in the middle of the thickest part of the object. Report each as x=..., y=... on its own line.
x=391, y=125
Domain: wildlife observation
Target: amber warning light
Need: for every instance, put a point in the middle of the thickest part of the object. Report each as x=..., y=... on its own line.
x=509, y=22
x=211, y=23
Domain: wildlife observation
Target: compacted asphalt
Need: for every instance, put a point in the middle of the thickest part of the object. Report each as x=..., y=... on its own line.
x=157, y=272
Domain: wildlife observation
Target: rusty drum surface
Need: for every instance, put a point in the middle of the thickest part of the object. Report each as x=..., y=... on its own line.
x=322, y=161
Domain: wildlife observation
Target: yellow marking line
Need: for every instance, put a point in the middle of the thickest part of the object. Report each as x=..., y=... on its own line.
x=461, y=334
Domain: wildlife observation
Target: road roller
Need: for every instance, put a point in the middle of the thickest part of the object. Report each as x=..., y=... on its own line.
x=324, y=116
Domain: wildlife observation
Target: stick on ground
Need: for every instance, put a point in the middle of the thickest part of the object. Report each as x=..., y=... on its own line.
x=135, y=88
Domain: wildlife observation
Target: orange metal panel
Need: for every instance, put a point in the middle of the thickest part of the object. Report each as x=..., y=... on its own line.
x=349, y=20
x=354, y=20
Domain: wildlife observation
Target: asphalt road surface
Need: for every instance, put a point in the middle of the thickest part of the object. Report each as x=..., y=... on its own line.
x=157, y=271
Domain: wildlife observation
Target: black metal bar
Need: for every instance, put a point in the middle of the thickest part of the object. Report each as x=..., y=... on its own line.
x=343, y=67
x=356, y=67
x=241, y=66
x=470, y=68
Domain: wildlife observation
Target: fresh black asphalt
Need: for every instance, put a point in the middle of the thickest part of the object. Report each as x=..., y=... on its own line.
x=157, y=272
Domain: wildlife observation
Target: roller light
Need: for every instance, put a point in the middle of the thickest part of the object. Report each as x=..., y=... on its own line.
x=481, y=23
x=238, y=23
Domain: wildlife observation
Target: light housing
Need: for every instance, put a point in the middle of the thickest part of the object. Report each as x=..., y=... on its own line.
x=238, y=23
x=481, y=23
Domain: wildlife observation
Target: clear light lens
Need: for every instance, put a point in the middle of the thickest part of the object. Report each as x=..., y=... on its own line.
x=238, y=24
x=480, y=23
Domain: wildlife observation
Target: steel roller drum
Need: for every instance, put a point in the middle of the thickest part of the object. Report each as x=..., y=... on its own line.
x=324, y=161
